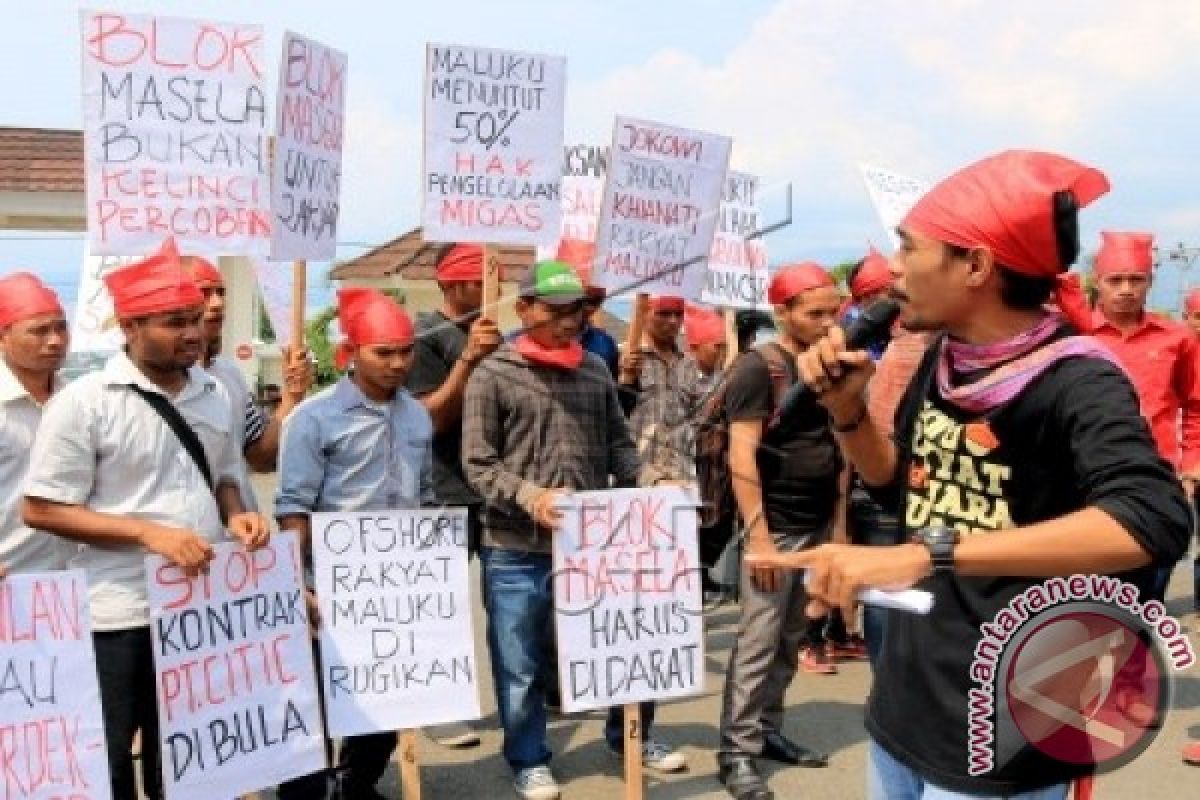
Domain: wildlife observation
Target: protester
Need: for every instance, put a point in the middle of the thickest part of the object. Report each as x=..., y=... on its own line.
x=869, y=280
x=363, y=444
x=785, y=482
x=33, y=345
x=255, y=436
x=1009, y=392
x=451, y=342
x=579, y=255
x=541, y=419
x=667, y=387
x=1159, y=356
x=1191, y=311
x=139, y=458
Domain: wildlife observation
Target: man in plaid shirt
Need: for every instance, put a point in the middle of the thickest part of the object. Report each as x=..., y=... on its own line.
x=541, y=419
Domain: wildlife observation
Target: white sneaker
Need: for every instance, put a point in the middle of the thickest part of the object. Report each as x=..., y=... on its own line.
x=454, y=734
x=536, y=783
x=661, y=758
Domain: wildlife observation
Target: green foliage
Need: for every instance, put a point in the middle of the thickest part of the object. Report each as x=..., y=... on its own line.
x=266, y=332
x=316, y=336
x=841, y=272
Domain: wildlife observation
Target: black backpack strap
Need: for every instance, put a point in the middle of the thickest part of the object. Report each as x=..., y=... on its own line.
x=183, y=432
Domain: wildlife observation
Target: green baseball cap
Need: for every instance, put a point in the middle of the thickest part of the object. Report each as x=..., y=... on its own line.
x=552, y=282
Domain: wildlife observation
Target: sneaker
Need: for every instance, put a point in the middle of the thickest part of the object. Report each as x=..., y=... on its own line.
x=536, y=783
x=1191, y=754
x=661, y=758
x=854, y=648
x=816, y=661
x=454, y=734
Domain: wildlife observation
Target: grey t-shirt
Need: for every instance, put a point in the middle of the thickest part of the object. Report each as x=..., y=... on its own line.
x=440, y=342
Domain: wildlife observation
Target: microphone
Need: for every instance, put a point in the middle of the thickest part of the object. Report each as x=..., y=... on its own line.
x=872, y=327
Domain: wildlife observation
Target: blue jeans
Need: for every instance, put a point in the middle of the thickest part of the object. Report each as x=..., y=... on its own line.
x=871, y=525
x=888, y=779
x=519, y=597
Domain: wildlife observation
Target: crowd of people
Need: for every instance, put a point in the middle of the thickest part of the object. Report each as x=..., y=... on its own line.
x=1001, y=403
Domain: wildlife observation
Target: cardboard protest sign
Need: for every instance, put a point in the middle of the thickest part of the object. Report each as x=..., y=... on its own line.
x=493, y=145
x=660, y=209
x=737, y=266
x=94, y=328
x=397, y=650
x=175, y=138
x=51, y=729
x=893, y=195
x=306, y=178
x=275, y=284
x=237, y=694
x=627, y=598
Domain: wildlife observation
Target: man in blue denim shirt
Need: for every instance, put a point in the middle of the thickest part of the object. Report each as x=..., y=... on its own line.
x=364, y=444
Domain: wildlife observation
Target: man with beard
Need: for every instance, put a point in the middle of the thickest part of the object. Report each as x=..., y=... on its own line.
x=139, y=458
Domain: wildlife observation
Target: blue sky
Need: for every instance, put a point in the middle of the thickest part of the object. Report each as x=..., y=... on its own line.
x=807, y=88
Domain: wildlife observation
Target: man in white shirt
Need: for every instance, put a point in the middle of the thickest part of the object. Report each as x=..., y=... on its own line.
x=255, y=436
x=111, y=472
x=33, y=344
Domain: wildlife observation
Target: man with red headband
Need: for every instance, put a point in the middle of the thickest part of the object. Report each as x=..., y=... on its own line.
x=363, y=444
x=1019, y=456
x=785, y=483
x=33, y=343
x=666, y=388
x=256, y=437
x=451, y=343
x=1159, y=355
x=542, y=419
x=869, y=280
x=138, y=458
x=579, y=254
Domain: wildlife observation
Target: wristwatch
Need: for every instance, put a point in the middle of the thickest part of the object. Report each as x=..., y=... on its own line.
x=940, y=541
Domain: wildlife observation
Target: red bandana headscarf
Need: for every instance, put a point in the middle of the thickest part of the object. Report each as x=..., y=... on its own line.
x=875, y=275
x=1006, y=203
x=461, y=263
x=366, y=317
x=155, y=285
x=23, y=296
x=1125, y=252
x=703, y=326
x=793, y=279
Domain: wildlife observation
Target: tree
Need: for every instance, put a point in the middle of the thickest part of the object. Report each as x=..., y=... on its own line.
x=316, y=334
x=841, y=272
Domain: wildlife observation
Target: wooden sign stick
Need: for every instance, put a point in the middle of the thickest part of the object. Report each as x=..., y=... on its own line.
x=410, y=768
x=641, y=307
x=633, y=752
x=299, y=300
x=731, y=336
x=491, y=282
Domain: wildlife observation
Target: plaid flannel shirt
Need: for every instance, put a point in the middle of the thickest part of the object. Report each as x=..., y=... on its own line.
x=669, y=395
x=528, y=428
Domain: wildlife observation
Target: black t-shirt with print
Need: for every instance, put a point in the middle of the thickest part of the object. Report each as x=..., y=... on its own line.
x=798, y=458
x=1074, y=438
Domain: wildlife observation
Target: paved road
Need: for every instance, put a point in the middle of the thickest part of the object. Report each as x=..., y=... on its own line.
x=823, y=711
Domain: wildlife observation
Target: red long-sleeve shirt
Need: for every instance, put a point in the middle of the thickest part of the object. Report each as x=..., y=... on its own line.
x=1160, y=357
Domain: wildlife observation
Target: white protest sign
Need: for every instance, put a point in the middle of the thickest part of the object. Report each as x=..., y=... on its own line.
x=307, y=175
x=275, y=283
x=237, y=693
x=397, y=648
x=737, y=267
x=584, y=168
x=660, y=210
x=493, y=145
x=175, y=137
x=893, y=195
x=94, y=328
x=627, y=598
x=51, y=728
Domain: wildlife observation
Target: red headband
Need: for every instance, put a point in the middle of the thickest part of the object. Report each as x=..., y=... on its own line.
x=368, y=316
x=793, y=279
x=463, y=262
x=703, y=326
x=1125, y=252
x=664, y=302
x=202, y=271
x=23, y=296
x=155, y=285
x=875, y=275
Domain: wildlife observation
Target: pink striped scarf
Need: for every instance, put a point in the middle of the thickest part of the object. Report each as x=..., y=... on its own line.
x=1013, y=364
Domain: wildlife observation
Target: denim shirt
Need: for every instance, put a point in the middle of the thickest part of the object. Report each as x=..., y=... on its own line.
x=344, y=452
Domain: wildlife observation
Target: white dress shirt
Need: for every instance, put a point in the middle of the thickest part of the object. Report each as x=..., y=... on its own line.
x=102, y=446
x=22, y=549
